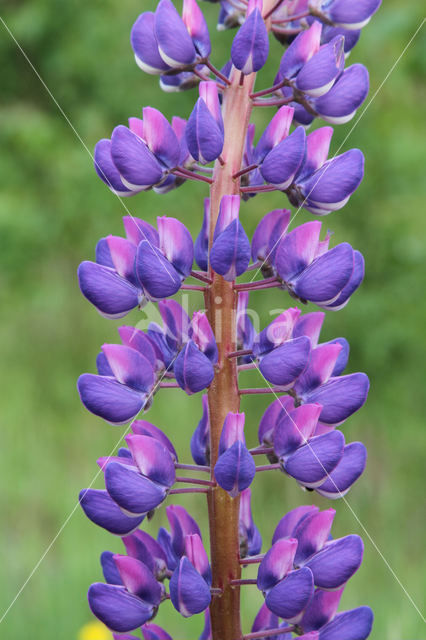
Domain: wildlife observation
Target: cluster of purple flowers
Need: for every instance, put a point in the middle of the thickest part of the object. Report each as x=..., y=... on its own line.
x=303, y=574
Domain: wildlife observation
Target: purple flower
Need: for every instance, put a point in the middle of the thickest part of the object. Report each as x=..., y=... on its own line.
x=204, y=131
x=323, y=186
x=245, y=329
x=283, y=162
x=117, y=398
x=101, y=509
x=344, y=13
x=182, y=524
x=189, y=592
x=201, y=245
x=143, y=547
x=152, y=631
x=147, y=265
x=119, y=609
x=250, y=47
x=230, y=252
x=194, y=366
x=250, y=538
x=235, y=468
x=200, y=441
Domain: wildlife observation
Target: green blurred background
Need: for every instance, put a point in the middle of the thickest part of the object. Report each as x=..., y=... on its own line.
x=53, y=209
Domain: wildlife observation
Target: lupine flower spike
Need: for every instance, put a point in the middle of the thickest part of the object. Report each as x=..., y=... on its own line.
x=302, y=435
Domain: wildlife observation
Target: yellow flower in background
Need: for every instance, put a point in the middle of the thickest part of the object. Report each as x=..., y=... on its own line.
x=94, y=631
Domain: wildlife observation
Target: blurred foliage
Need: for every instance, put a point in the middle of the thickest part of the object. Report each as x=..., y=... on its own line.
x=53, y=209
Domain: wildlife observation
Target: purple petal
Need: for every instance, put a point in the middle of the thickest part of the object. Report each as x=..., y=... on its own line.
x=209, y=93
x=352, y=16
x=341, y=397
x=276, y=333
x=228, y=212
x=295, y=428
x=129, y=367
x=143, y=547
x=144, y=45
x=276, y=564
x=206, y=633
x=355, y=624
x=154, y=632
x=291, y=519
x=250, y=46
x=138, y=167
x=318, y=75
x=337, y=561
x=317, y=148
x=326, y=276
x=303, y=47
x=152, y=458
x=235, y=469
x=106, y=169
x=109, y=568
x=189, y=592
x=108, y=399
x=284, y=364
x=156, y=274
x=339, y=104
x=160, y=137
x=144, y=428
x=297, y=249
x=103, y=254
x=271, y=417
x=347, y=472
x=165, y=540
x=276, y=131
x=322, y=361
x=268, y=233
x=138, y=341
x=202, y=334
x=174, y=42
x=138, y=579
x=309, y=325
x=329, y=188
x=131, y=491
x=103, y=511
x=321, y=609
x=203, y=135
x=200, y=440
x=281, y=164
x=194, y=21
x=196, y=554
x=311, y=463
x=265, y=620
x=250, y=538
x=138, y=230
x=112, y=295
x=312, y=533
x=201, y=246
x=352, y=284
x=176, y=323
x=193, y=370
x=118, y=609
x=290, y=596
x=230, y=253
x=181, y=525
x=351, y=36
x=176, y=244
x=232, y=431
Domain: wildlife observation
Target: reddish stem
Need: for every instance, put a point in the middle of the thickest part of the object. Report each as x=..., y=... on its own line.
x=188, y=490
x=265, y=92
x=261, y=451
x=242, y=352
x=248, y=392
x=192, y=287
x=185, y=173
x=268, y=467
x=278, y=102
x=217, y=73
x=252, y=559
x=243, y=581
x=267, y=283
x=241, y=172
x=268, y=632
x=169, y=385
x=200, y=276
x=246, y=367
x=207, y=483
x=299, y=16
x=192, y=467
x=258, y=189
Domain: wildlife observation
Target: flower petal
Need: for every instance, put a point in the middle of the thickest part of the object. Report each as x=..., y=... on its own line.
x=276, y=564
x=311, y=463
x=160, y=137
x=132, y=491
x=174, y=42
x=297, y=250
x=107, y=171
x=281, y=164
x=129, y=367
x=290, y=596
x=284, y=364
x=157, y=275
x=138, y=167
x=138, y=579
x=108, y=399
x=312, y=533
x=101, y=509
x=355, y=624
x=144, y=428
x=336, y=562
x=145, y=46
x=250, y=46
x=118, y=609
x=152, y=458
x=289, y=522
x=112, y=295
x=235, y=469
x=341, y=397
x=193, y=370
x=347, y=472
x=189, y=592
x=321, y=609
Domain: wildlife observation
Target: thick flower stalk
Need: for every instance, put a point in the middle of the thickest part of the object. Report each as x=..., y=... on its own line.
x=302, y=434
